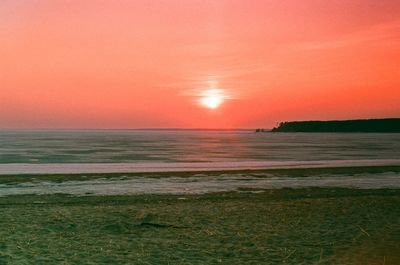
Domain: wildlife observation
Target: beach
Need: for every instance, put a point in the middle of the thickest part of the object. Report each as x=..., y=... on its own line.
x=198, y=197
x=334, y=224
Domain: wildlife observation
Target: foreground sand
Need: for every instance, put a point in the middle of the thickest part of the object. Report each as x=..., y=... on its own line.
x=280, y=226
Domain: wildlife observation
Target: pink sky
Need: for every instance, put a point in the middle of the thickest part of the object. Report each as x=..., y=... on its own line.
x=135, y=64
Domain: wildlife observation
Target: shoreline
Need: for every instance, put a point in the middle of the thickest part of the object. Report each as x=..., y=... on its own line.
x=313, y=225
x=302, y=171
x=158, y=167
x=201, y=182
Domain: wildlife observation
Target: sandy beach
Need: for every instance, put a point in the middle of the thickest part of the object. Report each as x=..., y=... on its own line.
x=304, y=224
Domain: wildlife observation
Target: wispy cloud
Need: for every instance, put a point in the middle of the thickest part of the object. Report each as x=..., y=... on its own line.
x=376, y=34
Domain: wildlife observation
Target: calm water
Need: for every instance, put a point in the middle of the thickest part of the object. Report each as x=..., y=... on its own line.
x=181, y=150
x=197, y=148
x=190, y=146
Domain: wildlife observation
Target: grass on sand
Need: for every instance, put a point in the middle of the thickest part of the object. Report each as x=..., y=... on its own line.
x=286, y=226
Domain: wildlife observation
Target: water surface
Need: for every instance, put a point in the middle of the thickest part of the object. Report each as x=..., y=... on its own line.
x=89, y=150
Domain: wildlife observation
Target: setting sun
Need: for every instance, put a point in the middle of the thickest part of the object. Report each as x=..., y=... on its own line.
x=212, y=98
x=84, y=64
x=200, y=131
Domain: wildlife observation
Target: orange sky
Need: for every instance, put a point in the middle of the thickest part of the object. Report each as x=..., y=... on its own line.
x=135, y=64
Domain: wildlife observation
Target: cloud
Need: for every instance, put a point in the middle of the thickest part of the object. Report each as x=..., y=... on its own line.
x=376, y=34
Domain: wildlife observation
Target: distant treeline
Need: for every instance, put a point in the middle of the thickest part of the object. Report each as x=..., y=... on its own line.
x=372, y=125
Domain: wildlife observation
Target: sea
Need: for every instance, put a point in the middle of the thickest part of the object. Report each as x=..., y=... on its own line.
x=129, y=151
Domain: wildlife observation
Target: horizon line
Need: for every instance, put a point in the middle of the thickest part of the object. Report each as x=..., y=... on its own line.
x=130, y=129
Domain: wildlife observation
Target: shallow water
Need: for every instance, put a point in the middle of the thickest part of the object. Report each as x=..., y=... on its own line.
x=200, y=184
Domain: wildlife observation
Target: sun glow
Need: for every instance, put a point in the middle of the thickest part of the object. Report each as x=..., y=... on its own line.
x=212, y=98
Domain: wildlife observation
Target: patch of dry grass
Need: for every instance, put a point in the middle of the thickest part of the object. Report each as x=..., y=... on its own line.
x=304, y=226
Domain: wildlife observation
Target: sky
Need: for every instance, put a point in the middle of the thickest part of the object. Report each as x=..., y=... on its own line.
x=196, y=63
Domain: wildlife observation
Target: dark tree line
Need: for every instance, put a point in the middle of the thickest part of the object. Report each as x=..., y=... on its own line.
x=371, y=125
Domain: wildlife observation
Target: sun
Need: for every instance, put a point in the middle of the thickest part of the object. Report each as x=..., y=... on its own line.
x=212, y=98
